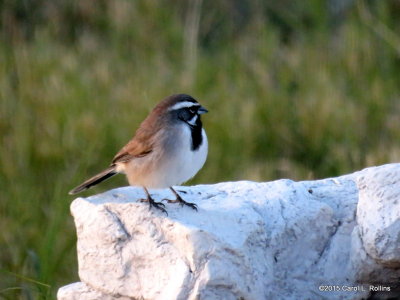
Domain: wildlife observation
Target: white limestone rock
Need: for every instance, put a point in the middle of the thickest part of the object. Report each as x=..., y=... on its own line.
x=274, y=240
x=377, y=234
x=80, y=291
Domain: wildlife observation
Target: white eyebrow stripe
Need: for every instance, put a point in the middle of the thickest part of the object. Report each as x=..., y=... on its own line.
x=183, y=104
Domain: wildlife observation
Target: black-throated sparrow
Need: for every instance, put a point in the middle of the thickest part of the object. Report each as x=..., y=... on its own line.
x=169, y=148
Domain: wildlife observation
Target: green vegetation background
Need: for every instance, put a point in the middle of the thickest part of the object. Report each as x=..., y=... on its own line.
x=295, y=89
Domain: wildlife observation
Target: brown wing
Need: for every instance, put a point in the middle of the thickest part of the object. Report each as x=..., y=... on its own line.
x=132, y=150
x=142, y=143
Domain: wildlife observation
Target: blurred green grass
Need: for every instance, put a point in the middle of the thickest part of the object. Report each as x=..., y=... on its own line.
x=294, y=91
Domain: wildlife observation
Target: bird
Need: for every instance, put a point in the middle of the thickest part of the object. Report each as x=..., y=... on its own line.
x=169, y=147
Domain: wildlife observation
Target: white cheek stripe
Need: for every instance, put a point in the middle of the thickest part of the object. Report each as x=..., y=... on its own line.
x=180, y=105
x=193, y=120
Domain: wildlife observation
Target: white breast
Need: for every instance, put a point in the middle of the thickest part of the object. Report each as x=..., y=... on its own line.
x=175, y=166
x=182, y=163
x=186, y=162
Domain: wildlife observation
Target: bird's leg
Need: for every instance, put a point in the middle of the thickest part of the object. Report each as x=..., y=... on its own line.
x=153, y=203
x=180, y=200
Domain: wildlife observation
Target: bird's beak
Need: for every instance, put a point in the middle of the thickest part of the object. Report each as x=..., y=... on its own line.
x=202, y=110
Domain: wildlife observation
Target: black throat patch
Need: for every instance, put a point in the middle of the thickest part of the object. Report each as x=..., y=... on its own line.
x=197, y=137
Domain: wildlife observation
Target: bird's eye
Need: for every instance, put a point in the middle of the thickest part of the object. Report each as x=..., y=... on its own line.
x=192, y=110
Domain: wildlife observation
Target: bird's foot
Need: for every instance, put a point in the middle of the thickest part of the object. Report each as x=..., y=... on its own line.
x=155, y=204
x=182, y=202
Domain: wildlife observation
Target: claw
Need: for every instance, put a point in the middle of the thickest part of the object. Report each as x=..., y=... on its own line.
x=192, y=205
x=180, y=200
x=158, y=205
x=153, y=203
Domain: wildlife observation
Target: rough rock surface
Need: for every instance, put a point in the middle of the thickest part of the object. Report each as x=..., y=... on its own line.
x=336, y=238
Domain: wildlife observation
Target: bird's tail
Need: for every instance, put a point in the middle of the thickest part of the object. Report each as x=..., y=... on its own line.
x=107, y=173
